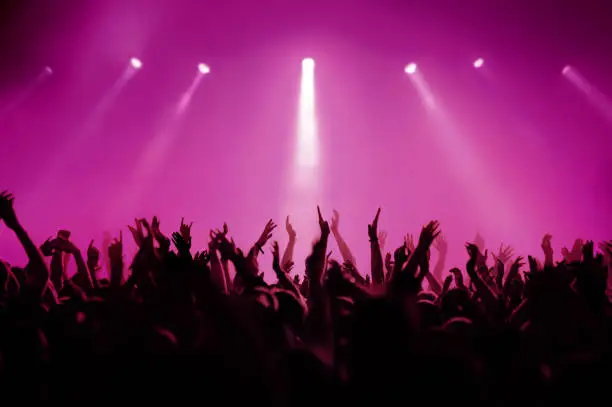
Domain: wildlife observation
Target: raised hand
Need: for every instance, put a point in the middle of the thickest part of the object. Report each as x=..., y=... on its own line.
x=93, y=256
x=515, y=268
x=137, y=232
x=290, y=230
x=429, y=233
x=382, y=240
x=389, y=264
x=323, y=225
x=477, y=258
x=473, y=254
x=7, y=212
x=48, y=247
x=115, y=256
x=533, y=264
x=606, y=249
x=147, y=242
x=479, y=241
x=440, y=244
x=409, y=243
x=547, y=245
x=373, y=227
x=458, y=276
x=276, y=258
x=65, y=246
x=447, y=283
x=399, y=258
x=163, y=241
x=266, y=234
x=202, y=258
x=182, y=246
x=155, y=225
x=504, y=254
x=226, y=247
x=575, y=255
x=185, y=231
x=335, y=221
x=115, y=249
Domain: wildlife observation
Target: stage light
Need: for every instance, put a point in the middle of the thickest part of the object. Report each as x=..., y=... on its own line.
x=203, y=68
x=136, y=63
x=48, y=70
x=308, y=63
x=566, y=70
x=410, y=68
x=478, y=63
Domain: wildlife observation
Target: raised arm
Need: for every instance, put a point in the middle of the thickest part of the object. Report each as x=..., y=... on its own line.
x=318, y=315
x=345, y=252
x=482, y=288
x=282, y=274
x=217, y=275
x=441, y=247
x=548, y=250
x=38, y=273
x=376, y=260
x=115, y=257
x=262, y=240
x=288, y=254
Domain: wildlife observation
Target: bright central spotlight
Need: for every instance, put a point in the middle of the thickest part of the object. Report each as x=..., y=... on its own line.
x=410, y=68
x=48, y=70
x=203, y=68
x=478, y=63
x=566, y=70
x=136, y=63
x=308, y=63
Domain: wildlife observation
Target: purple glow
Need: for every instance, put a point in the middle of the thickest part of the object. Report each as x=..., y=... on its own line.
x=566, y=70
x=232, y=155
x=478, y=63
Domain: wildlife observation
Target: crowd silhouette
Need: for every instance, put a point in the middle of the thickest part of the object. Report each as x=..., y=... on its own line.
x=195, y=322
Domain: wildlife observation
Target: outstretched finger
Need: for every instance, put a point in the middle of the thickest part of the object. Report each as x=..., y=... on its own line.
x=376, y=217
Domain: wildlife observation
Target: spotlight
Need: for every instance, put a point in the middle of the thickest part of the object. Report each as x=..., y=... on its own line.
x=136, y=63
x=410, y=68
x=566, y=70
x=203, y=68
x=48, y=70
x=308, y=63
x=478, y=63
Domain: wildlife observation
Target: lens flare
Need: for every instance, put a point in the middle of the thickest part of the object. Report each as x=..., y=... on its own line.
x=136, y=63
x=203, y=68
x=410, y=68
x=308, y=63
